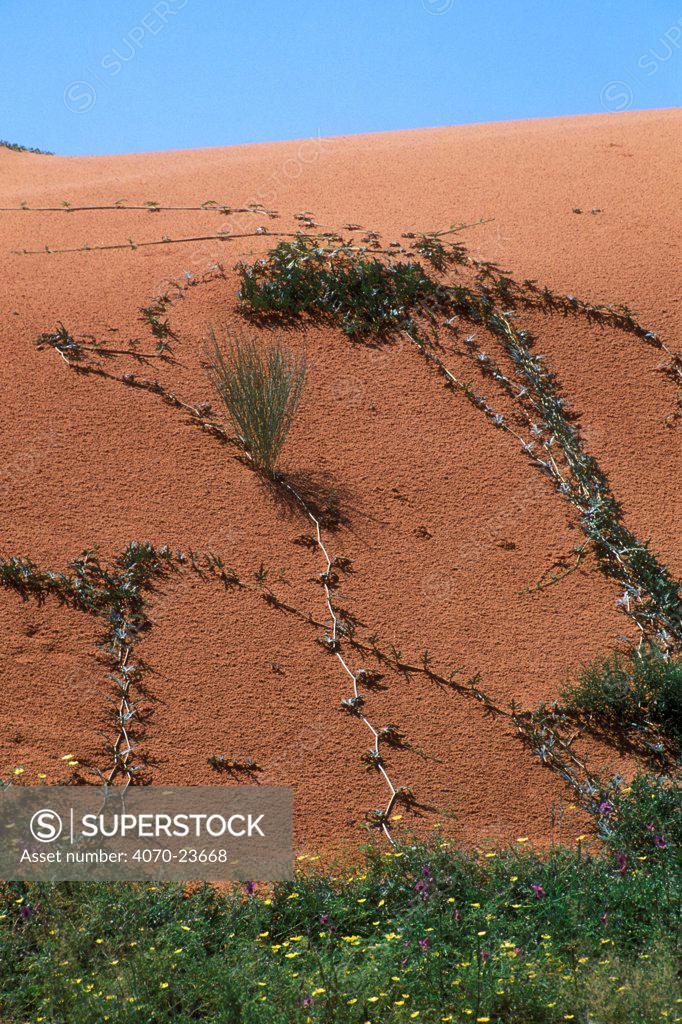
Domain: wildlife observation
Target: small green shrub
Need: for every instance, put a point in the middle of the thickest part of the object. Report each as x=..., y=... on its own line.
x=360, y=294
x=260, y=389
x=625, y=692
x=643, y=818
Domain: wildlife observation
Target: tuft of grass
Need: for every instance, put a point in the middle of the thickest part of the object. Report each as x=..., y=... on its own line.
x=626, y=692
x=260, y=389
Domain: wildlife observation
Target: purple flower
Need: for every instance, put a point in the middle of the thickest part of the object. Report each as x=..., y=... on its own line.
x=308, y=1001
x=604, y=917
x=605, y=808
x=622, y=862
x=660, y=842
x=424, y=944
x=422, y=888
x=650, y=827
x=324, y=919
x=458, y=916
x=539, y=891
x=250, y=888
x=485, y=955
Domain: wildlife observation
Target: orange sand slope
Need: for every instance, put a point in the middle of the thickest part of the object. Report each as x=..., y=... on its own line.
x=447, y=524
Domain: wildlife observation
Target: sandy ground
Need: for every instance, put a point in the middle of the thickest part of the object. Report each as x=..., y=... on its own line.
x=447, y=524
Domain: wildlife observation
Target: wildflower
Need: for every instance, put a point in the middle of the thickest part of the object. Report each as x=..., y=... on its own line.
x=539, y=891
x=250, y=888
x=422, y=887
x=424, y=944
x=605, y=808
x=660, y=842
x=622, y=862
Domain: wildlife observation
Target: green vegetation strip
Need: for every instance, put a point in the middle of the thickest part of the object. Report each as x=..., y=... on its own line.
x=423, y=932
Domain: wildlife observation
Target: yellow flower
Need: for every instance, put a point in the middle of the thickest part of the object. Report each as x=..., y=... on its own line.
x=163, y=984
x=18, y=771
x=318, y=991
x=522, y=839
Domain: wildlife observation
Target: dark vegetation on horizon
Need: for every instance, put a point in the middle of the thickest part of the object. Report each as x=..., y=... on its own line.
x=24, y=149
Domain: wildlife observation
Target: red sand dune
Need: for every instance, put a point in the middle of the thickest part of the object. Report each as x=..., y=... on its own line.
x=446, y=522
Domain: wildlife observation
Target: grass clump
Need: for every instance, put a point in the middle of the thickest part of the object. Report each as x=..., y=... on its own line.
x=424, y=932
x=260, y=389
x=626, y=692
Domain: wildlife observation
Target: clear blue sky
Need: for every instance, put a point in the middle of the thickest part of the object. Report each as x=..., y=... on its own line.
x=111, y=76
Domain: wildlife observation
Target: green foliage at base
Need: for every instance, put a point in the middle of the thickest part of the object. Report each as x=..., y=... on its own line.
x=424, y=932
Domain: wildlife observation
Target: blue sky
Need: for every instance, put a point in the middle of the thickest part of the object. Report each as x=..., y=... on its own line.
x=111, y=76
